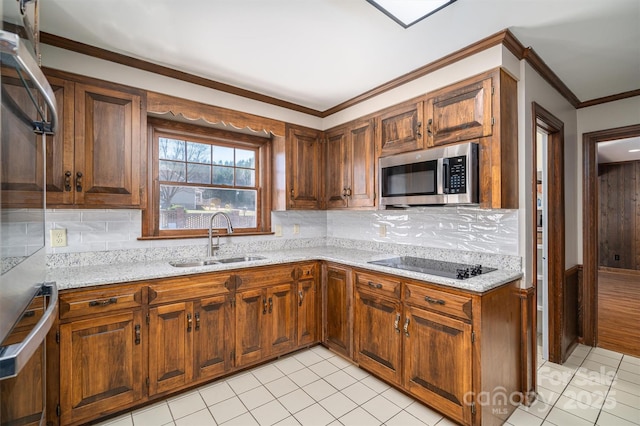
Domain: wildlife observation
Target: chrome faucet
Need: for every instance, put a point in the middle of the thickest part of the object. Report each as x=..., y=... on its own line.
x=210, y=247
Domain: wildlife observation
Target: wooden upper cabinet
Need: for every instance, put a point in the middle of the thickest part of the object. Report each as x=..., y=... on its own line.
x=304, y=165
x=400, y=129
x=350, y=166
x=108, y=146
x=459, y=112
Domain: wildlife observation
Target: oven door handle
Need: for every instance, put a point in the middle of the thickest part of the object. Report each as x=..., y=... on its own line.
x=15, y=357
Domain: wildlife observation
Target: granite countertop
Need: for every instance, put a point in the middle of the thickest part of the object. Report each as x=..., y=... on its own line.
x=85, y=276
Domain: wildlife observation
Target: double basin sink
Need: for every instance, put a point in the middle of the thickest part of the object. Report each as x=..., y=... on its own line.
x=185, y=263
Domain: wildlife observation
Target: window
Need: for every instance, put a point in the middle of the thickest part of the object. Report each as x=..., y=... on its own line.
x=198, y=171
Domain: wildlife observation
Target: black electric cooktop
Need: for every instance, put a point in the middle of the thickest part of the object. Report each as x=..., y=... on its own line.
x=440, y=268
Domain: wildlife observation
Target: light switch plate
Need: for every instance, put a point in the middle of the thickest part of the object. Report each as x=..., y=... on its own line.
x=278, y=230
x=382, y=231
x=58, y=237
x=296, y=228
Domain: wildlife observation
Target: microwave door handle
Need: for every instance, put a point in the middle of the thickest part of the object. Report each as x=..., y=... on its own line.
x=445, y=176
x=16, y=356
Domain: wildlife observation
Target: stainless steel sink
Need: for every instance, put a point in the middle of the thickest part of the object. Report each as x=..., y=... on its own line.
x=240, y=259
x=187, y=263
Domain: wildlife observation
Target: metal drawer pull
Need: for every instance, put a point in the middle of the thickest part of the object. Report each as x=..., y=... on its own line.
x=270, y=304
x=374, y=285
x=197, y=321
x=406, y=327
x=189, y=323
x=137, y=331
x=396, y=323
x=104, y=302
x=436, y=301
x=301, y=294
x=418, y=127
x=264, y=306
x=429, y=123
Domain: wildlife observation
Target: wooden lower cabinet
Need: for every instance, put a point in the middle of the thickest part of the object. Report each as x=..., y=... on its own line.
x=457, y=352
x=337, y=308
x=437, y=354
x=213, y=318
x=101, y=365
x=307, y=332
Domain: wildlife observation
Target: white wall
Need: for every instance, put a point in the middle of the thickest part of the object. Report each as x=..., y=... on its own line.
x=533, y=88
x=611, y=115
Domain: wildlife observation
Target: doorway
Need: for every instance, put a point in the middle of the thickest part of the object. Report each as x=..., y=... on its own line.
x=557, y=301
x=610, y=271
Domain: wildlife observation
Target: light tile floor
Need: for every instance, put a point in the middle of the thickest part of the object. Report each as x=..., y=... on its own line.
x=316, y=387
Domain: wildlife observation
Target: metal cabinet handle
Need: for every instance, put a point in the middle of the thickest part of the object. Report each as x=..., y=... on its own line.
x=348, y=192
x=396, y=323
x=429, y=123
x=374, y=285
x=264, y=306
x=79, y=182
x=270, y=304
x=406, y=327
x=418, y=127
x=105, y=302
x=344, y=192
x=197, y=315
x=301, y=295
x=434, y=301
x=189, y=323
x=138, y=333
x=67, y=181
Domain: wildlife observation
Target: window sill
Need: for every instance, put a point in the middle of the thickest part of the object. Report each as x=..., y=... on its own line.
x=204, y=235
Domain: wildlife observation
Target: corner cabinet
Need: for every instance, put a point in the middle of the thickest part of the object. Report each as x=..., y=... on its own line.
x=304, y=168
x=337, y=308
x=97, y=158
x=350, y=166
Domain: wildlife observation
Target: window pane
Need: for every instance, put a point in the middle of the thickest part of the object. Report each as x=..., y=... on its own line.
x=171, y=149
x=183, y=207
x=198, y=153
x=222, y=175
x=246, y=159
x=198, y=173
x=245, y=177
x=170, y=171
x=222, y=155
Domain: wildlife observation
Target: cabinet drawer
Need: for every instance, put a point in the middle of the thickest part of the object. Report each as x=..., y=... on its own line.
x=263, y=277
x=189, y=287
x=381, y=285
x=98, y=301
x=440, y=301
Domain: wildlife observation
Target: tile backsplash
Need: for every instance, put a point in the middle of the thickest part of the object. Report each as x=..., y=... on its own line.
x=456, y=228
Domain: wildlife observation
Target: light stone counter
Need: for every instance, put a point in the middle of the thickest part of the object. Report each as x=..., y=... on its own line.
x=92, y=275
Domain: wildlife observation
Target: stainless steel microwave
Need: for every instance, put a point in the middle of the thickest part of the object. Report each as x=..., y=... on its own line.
x=435, y=176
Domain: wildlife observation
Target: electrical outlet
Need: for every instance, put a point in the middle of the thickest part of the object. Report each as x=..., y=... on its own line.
x=296, y=228
x=382, y=231
x=278, y=230
x=58, y=237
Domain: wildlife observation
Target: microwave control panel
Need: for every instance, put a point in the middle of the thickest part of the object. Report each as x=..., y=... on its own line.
x=456, y=178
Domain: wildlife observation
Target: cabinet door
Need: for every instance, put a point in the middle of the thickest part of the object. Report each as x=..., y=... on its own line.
x=307, y=312
x=101, y=366
x=23, y=151
x=251, y=311
x=459, y=113
x=108, y=147
x=438, y=356
x=170, y=348
x=213, y=334
x=337, y=309
x=337, y=157
x=400, y=130
x=281, y=318
x=378, y=343
x=360, y=174
x=304, y=162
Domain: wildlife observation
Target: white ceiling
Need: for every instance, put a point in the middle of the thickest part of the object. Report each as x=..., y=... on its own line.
x=618, y=150
x=320, y=53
